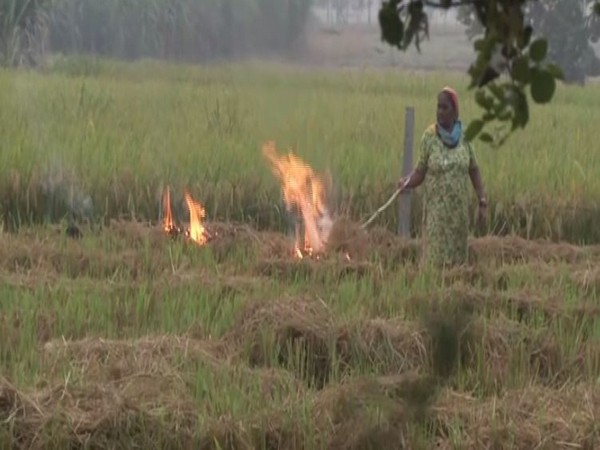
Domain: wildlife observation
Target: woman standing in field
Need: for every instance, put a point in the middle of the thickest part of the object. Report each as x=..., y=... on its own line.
x=445, y=161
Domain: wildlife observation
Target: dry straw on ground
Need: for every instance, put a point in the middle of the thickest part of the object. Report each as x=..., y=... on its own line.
x=518, y=383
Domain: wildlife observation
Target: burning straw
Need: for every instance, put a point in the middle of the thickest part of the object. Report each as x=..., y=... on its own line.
x=196, y=231
x=304, y=195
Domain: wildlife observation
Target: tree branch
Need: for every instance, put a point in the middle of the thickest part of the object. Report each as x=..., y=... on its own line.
x=452, y=4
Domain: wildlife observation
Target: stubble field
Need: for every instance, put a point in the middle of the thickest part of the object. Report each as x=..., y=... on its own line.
x=129, y=338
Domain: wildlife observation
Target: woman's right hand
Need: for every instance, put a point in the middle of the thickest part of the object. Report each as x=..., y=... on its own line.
x=402, y=181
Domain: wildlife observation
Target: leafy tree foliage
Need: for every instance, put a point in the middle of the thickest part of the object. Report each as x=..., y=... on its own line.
x=513, y=55
x=568, y=27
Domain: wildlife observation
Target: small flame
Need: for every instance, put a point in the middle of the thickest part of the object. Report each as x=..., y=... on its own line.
x=197, y=231
x=304, y=193
x=168, y=224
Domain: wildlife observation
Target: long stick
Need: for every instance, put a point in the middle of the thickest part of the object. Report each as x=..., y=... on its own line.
x=386, y=204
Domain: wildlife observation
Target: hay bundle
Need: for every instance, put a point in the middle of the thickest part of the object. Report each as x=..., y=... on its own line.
x=504, y=343
x=136, y=393
x=275, y=246
x=534, y=417
x=392, y=248
x=527, y=304
x=347, y=237
x=227, y=239
x=513, y=249
x=325, y=270
x=268, y=428
x=373, y=412
x=110, y=360
x=588, y=279
x=391, y=345
x=459, y=296
x=297, y=334
x=134, y=232
x=70, y=414
x=20, y=409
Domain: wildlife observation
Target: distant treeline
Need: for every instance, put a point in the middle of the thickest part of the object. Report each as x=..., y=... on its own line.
x=192, y=30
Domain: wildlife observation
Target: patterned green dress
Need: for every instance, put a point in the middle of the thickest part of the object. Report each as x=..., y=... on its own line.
x=446, y=201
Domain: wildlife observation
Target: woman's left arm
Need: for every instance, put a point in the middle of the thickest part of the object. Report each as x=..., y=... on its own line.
x=475, y=176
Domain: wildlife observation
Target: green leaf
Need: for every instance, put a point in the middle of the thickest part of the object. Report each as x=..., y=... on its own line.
x=474, y=72
x=555, y=71
x=479, y=44
x=538, y=49
x=392, y=28
x=525, y=37
x=483, y=100
x=520, y=69
x=473, y=129
x=597, y=8
x=497, y=91
x=486, y=137
x=518, y=101
x=543, y=86
x=500, y=107
x=484, y=48
x=504, y=116
x=415, y=8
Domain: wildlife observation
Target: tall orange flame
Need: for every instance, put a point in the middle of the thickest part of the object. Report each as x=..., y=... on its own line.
x=303, y=192
x=197, y=231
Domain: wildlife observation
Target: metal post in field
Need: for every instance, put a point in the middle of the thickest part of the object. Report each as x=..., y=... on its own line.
x=405, y=201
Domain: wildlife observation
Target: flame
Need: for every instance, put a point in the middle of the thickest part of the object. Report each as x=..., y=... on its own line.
x=304, y=194
x=197, y=232
x=168, y=224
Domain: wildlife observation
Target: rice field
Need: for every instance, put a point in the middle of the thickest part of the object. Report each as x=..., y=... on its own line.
x=101, y=139
x=130, y=338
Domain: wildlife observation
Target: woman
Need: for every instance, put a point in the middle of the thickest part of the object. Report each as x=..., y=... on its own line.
x=446, y=159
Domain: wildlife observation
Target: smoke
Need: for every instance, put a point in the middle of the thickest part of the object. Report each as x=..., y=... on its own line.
x=324, y=225
x=64, y=193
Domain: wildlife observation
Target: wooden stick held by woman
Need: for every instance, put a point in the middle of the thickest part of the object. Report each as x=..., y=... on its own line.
x=386, y=204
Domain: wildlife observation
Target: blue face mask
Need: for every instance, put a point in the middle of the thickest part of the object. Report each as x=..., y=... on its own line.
x=450, y=138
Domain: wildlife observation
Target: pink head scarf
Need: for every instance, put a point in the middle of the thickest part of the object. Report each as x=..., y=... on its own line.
x=453, y=97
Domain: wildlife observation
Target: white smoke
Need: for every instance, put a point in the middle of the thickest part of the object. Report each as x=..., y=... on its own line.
x=65, y=193
x=324, y=225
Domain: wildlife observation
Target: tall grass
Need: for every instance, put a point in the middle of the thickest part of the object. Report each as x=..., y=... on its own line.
x=100, y=139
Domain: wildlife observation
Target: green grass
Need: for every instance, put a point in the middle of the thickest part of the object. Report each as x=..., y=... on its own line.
x=119, y=132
